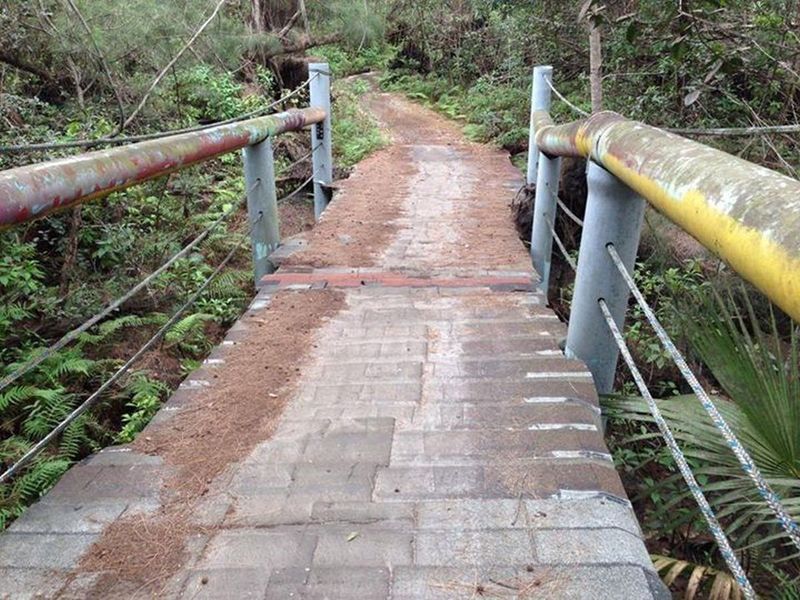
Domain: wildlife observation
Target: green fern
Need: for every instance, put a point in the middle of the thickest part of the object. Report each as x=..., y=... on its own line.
x=146, y=396
x=39, y=478
x=47, y=411
x=75, y=439
x=13, y=396
x=108, y=328
x=59, y=365
x=12, y=448
x=229, y=284
x=189, y=333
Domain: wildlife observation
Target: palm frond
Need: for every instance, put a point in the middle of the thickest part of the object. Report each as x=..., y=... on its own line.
x=722, y=585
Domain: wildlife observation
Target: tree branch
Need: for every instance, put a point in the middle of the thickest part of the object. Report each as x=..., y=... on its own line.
x=175, y=59
x=305, y=44
x=104, y=64
x=22, y=65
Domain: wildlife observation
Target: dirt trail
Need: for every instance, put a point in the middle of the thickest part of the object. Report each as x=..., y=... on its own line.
x=429, y=200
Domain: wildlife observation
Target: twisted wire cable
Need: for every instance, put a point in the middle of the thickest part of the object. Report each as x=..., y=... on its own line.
x=745, y=460
x=724, y=545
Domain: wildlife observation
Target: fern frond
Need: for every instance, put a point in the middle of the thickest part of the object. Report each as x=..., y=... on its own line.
x=186, y=327
x=229, y=284
x=108, y=328
x=41, y=476
x=15, y=395
x=49, y=409
x=73, y=439
x=71, y=365
x=142, y=386
x=56, y=366
x=12, y=448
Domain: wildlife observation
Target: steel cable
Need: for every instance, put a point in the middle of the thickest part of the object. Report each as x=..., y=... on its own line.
x=86, y=404
x=561, y=97
x=724, y=545
x=563, y=249
x=111, y=307
x=575, y=218
x=734, y=131
x=298, y=189
x=745, y=460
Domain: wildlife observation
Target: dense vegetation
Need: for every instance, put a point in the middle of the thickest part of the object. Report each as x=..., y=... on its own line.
x=77, y=69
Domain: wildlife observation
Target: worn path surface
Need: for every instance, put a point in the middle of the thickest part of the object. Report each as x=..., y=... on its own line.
x=392, y=419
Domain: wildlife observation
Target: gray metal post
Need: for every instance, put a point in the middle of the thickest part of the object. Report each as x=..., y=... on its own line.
x=322, y=156
x=544, y=217
x=262, y=205
x=614, y=215
x=540, y=100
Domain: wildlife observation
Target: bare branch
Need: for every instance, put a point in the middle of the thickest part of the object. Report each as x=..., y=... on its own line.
x=104, y=64
x=175, y=59
x=289, y=24
x=23, y=65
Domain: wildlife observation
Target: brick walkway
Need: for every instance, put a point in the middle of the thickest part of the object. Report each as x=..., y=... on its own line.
x=439, y=445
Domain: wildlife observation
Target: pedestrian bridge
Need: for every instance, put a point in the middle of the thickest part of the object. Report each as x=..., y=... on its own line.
x=393, y=417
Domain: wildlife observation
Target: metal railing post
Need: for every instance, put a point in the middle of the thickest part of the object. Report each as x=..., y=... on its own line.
x=614, y=215
x=540, y=100
x=544, y=217
x=262, y=205
x=322, y=156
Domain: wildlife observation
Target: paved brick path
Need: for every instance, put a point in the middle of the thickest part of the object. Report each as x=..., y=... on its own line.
x=439, y=445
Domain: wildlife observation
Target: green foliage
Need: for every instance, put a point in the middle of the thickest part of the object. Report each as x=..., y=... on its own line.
x=21, y=281
x=720, y=63
x=146, y=395
x=760, y=374
x=360, y=24
x=107, y=329
x=345, y=61
x=662, y=286
x=188, y=333
x=355, y=133
x=210, y=95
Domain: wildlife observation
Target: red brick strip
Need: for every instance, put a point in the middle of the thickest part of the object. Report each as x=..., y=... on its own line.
x=390, y=279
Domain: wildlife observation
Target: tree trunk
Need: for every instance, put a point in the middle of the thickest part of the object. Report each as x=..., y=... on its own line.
x=71, y=252
x=23, y=65
x=595, y=66
x=305, y=44
x=302, y=9
x=257, y=17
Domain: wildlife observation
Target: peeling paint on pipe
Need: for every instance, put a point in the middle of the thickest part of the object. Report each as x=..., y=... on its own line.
x=746, y=214
x=35, y=191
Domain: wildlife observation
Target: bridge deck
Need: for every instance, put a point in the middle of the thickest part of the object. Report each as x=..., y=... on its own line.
x=391, y=419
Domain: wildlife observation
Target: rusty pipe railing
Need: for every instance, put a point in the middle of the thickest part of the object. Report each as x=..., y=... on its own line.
x=744, y=213
x=35, y=191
